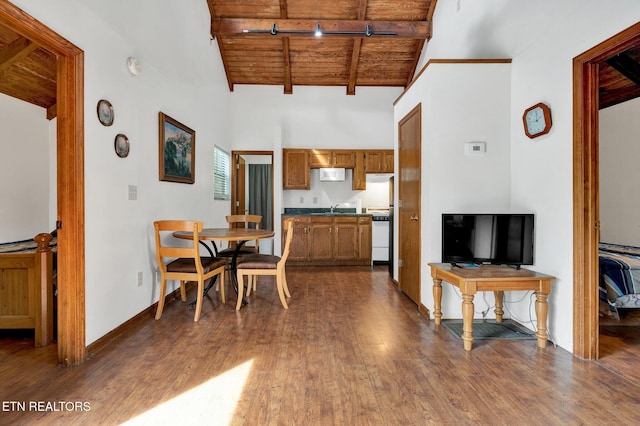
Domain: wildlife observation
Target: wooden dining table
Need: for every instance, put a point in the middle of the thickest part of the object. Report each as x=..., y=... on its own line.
x=238, y=235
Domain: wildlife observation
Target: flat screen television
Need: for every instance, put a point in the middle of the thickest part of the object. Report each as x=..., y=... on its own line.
x=499, y=239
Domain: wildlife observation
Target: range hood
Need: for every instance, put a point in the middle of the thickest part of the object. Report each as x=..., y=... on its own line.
x=331, y=174
x=378, y=177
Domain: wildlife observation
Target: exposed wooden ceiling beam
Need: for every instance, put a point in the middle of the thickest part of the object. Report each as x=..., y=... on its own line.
x=626, y=66
x=15, y=50
x=355, y=53
x=238, y=26
x=52, y=112
x=288, y=86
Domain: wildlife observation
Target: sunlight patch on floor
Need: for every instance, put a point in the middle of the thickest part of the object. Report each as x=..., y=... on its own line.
x=211, y=403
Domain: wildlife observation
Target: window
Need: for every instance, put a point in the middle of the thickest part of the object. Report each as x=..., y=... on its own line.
x=221, y=174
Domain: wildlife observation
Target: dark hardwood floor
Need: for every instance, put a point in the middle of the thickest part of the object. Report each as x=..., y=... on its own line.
x=350, y=350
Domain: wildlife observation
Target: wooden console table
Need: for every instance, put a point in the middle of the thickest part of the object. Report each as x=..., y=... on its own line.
x=490, y=278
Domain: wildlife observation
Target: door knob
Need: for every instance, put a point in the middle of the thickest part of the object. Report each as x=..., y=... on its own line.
x=414, y=217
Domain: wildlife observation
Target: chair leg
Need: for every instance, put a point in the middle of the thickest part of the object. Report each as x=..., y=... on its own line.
x=222, y=285
x=196, y=317
x=163, y=289
x=284, y=282
x=252, y=284
x=183, y=291
x=280, y=285
x=240, y=277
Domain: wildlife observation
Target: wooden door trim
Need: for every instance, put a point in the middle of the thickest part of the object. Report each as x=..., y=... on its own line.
x=70, y=179
x=585, y=189
x=233, y=178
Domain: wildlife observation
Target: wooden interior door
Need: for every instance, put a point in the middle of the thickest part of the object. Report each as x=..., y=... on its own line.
x=408, y=209
x=239, y=198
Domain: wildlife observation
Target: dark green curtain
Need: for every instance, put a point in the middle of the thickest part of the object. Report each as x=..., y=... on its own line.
x=260, y=195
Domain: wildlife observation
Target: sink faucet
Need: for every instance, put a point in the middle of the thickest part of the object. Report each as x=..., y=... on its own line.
x=333, y=207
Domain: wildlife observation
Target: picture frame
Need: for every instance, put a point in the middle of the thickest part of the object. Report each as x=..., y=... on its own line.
x=177, y=154
x=105, y=112
x=121, y=145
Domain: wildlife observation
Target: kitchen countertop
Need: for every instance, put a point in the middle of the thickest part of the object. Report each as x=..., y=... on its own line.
x=322, y=211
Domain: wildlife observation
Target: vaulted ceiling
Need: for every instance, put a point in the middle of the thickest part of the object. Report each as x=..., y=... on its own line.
x=363, y=42
x=272, y=42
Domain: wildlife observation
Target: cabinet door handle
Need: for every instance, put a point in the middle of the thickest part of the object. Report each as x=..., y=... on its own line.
x=305, y=230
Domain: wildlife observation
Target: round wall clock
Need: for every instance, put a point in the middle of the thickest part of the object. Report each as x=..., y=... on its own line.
x=537, y=120
x=105, y=112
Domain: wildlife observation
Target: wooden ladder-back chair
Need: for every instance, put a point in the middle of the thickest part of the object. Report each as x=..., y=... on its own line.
x=242, y=221
x=266, y=264
x=185, y=263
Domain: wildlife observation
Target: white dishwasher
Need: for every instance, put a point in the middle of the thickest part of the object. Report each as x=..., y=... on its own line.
x=380, y=238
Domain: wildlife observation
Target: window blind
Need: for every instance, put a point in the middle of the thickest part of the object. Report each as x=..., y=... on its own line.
x=221, y=174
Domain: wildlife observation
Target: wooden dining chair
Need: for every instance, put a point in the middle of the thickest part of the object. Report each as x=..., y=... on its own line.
x=266, y=264
x=185, y=263
x=242, y=221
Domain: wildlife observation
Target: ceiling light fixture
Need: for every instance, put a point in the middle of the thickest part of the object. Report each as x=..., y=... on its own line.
x=318, y=32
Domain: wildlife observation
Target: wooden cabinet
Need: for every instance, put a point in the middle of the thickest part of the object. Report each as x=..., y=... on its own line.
x=331, y=158
x=380, y=161
x=321, y=238
x=331, y=240
x=365, y=239
x=297, y=165
x=345, y=238
x=296, y=173
x=299, y=249
x=359, y=180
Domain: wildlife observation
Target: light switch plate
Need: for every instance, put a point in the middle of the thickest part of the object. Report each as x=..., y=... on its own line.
x=475, y=148
x=133, y=192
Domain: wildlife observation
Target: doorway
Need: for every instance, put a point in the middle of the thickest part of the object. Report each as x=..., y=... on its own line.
x=409, y=196
x=70, y=178
x=586, y=188
x=252, y=188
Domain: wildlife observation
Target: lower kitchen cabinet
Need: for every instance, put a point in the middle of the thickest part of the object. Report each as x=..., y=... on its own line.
x=331, y=240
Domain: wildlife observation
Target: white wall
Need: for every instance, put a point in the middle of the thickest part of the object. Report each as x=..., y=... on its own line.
x=542, y=38
x=263, y=118
x=183, y=77
x=25, y=170
x=456, y=110
x=620, y=174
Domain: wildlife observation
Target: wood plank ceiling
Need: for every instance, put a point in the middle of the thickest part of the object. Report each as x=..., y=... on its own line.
x=27, y=71
x=363, y=42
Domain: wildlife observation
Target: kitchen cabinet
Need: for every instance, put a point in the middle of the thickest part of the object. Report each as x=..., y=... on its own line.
x=359, y=180
x=296, y=173
x=331, y=240
x=345, y=238
x=365, y=239
x=380, y=161
x=299, y=249
x=331, y=158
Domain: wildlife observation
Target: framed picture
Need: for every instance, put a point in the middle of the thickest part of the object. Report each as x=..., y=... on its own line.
x=177, y=151
x=121, y=145
x=105, y=112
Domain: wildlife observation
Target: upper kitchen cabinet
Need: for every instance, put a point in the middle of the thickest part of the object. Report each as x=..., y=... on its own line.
x=331, y=158
x=296, y=173
x=380, y=161
x=359, y=182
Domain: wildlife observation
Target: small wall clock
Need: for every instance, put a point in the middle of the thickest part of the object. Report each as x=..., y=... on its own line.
x=537, y=120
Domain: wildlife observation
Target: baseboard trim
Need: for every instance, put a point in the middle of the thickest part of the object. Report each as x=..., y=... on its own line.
x=145, y=315
x=424, y=311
